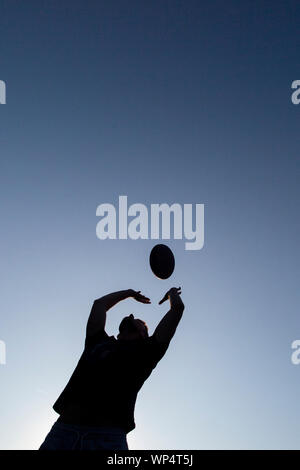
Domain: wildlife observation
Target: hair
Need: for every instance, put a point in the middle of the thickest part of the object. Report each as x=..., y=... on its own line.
x=126, y=324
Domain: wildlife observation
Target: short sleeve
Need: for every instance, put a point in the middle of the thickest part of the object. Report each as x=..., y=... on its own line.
x=92, y=340
x=154, y=350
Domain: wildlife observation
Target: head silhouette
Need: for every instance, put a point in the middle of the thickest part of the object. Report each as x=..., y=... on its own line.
x=132, y=328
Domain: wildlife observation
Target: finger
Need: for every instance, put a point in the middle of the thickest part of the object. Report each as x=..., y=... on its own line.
x=141, y=296
x=163, y=300
x=144, y=300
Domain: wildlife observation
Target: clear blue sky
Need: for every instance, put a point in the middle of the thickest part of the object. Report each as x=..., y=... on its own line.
x=163, y=101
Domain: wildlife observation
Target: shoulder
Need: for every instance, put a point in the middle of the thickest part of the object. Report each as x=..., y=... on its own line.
x=156, y=348
x=156, y=342
x=99, y=337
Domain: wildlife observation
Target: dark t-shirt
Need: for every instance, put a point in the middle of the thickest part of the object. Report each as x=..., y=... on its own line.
x=103, y=388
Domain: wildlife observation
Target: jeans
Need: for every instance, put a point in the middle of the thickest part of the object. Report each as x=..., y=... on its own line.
x=72, y=437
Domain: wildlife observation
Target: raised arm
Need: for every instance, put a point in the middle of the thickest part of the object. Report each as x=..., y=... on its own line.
x=166, y=328
x=97, y=318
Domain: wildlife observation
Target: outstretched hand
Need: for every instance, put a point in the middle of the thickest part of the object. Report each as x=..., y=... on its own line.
x=140, y=297
x=172, y=291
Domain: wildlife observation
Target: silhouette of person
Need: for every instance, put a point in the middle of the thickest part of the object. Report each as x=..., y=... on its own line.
x=96, y=407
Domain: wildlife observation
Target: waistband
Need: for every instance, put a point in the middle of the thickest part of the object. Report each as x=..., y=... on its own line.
x=84, y=428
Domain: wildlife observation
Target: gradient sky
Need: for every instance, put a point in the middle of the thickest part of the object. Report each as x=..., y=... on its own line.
x=162, y=101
